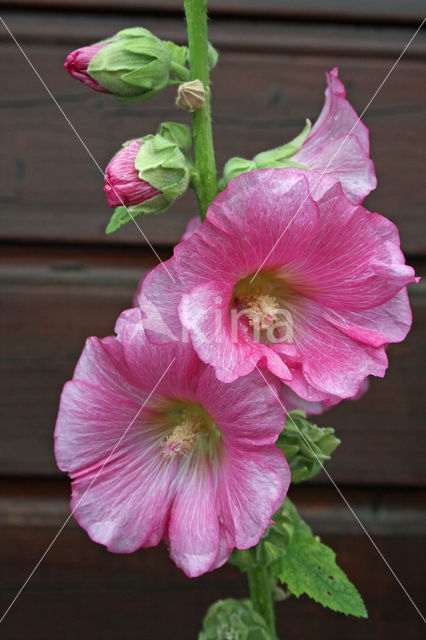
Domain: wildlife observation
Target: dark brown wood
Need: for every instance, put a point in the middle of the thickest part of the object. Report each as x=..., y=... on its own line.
x=261, y=98
x=409, y=11
x=80, y=590
x=56, y=298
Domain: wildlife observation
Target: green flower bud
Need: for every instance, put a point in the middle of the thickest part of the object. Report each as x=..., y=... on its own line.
x=212, y=55
x=305, y=446
x=133, y=65
x=234, y=619
x=178, y=133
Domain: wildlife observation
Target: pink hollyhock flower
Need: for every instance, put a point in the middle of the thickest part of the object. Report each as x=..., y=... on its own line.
x=77, y=63
x=158, y=448
x=286, y=273
x=339, y=144
x=122, y=183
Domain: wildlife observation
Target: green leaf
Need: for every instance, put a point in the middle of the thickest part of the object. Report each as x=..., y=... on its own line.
x=309, y=567
x=305, y=446
x=122, y=215
x=234, y=620
x=118, y=219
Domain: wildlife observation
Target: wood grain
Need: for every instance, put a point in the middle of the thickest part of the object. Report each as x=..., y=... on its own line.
x=81, y=590
x=410, y=11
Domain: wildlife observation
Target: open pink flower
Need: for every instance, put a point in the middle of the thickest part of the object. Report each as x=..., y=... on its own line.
x=122, y=183
x=338, y=144
x=158, y=448
x=286, y=273
x=77, y=63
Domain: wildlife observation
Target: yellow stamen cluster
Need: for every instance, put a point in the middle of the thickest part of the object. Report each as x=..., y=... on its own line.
x=261, y=310
x=183, y=437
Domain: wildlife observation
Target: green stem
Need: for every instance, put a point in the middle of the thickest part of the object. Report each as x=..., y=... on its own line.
x=180, y=72
x=261, y=595
x=196, y=20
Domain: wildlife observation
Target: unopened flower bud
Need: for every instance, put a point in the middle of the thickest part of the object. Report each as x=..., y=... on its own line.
x=192, y=95
x=122, y=183
x=234, y=619
x=146, y=176
x=305, y=446
x=133, y=65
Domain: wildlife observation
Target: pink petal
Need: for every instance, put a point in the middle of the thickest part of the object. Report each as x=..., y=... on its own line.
x=123, y=186
x=194, y=522
x=192, y=226
x=339, y=144
x=247, y=410
x=78, y=61
x=253, y=486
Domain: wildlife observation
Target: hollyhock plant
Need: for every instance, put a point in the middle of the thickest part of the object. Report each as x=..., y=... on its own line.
x=194, y=462
x=286, y=273
x=122, y=183
x=279, y=301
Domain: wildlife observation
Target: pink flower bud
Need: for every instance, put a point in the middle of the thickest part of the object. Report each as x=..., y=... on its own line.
x=78, y=61
x=122, y=183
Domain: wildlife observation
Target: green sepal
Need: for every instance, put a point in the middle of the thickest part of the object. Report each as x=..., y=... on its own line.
x=178, y=133
x=135, y=65
x=161, y=163
x=235, y=167
x=234, y=620
x=305, y=446
x=308, y=566
x=279, y=156
x=274, y=542
x=213, y=56
x=122, y=215
x=179, y=56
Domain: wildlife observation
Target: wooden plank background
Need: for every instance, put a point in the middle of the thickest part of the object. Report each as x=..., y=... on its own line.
x=62, y=279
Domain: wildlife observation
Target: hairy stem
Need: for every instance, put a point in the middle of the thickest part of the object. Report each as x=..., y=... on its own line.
x=206, y=185
x=261, y=596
